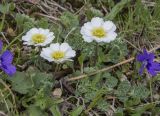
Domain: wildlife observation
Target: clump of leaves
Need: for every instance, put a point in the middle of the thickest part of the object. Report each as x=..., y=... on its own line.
x=69, y=20
x=122, y=90
x=90, y=88
x=93, y=12
x=139, y=91
x=117, y=52
x=24, y=22
x=111, y=81
x=36, y=87
x=26, y=82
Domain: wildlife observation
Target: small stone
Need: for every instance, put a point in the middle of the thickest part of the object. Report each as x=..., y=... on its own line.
x=57, y=92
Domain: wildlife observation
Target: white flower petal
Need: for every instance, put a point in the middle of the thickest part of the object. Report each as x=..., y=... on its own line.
x=109, y=26
x=64, y=47
x=55, y=47
x=26, y=38
x=88, y=26
x=27, y=43
x=49, y=36
x=87, y=38
x=110, y=37
x=97, y=22
x=46, y=53
x=86, y=32
x=70, y=54
x=98, y=39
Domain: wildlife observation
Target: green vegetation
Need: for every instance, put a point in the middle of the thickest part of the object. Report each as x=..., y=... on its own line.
x=41, y=88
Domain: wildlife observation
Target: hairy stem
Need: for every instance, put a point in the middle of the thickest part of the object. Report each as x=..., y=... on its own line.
x=2, y=23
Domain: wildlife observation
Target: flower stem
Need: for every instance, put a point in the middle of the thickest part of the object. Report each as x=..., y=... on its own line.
x=69, y=33
x=150, y=86
x=96, y=54
x=2, y=23
x=57, y=68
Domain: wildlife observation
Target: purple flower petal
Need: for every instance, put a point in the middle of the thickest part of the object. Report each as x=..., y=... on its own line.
x=9, y=69
x=152, y=72
x=150, y=57
x=140, y=57
x=156, y=66
x=1, y=45
x=145, y=56
x=141, y=69
x=153, y=68
x=145, y=51
x=6, y=57
x=147, y=60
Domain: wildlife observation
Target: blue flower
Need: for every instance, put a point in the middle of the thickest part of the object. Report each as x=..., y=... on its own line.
x=6, y=59
x=147, y=60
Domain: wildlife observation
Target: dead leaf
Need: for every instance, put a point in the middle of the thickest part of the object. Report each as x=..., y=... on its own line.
x=11, y=32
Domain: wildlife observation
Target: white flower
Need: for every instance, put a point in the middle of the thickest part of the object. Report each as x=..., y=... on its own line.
x=99, y=30
x=58, y=53
x=38, y=37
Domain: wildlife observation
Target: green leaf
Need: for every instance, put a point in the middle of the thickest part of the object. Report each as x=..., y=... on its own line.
x=132, y=102
x=103, y=105
x=117, y=52
x=81, y=59
x=140, y=91
x=142, y=109
x=44, y=100
x=35, y=111
x=113, y=55
x=93, y=12
x=24, y=22
x=21, y=83
x=40, y=79
x=119, y=112
x=97, y=98
x=77, y=111
x=55, y=111
x=124, y=87
x=111, y=81
x=69, y=20
x=58, y=31
x=5, y=8
x=101, y=56
x=42, y=23
x=122, y=90
x=24, y=82
x=83, y=86
x=116, y=9
x=89, y=69
x=75, y=40
x=90, y=95
x=28, y=25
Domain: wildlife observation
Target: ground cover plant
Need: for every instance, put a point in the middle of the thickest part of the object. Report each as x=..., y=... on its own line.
x=79, y=58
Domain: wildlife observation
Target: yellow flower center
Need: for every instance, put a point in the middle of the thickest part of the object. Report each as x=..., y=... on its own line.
x=38, y=38
x=57, y=55
x=99, y=32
